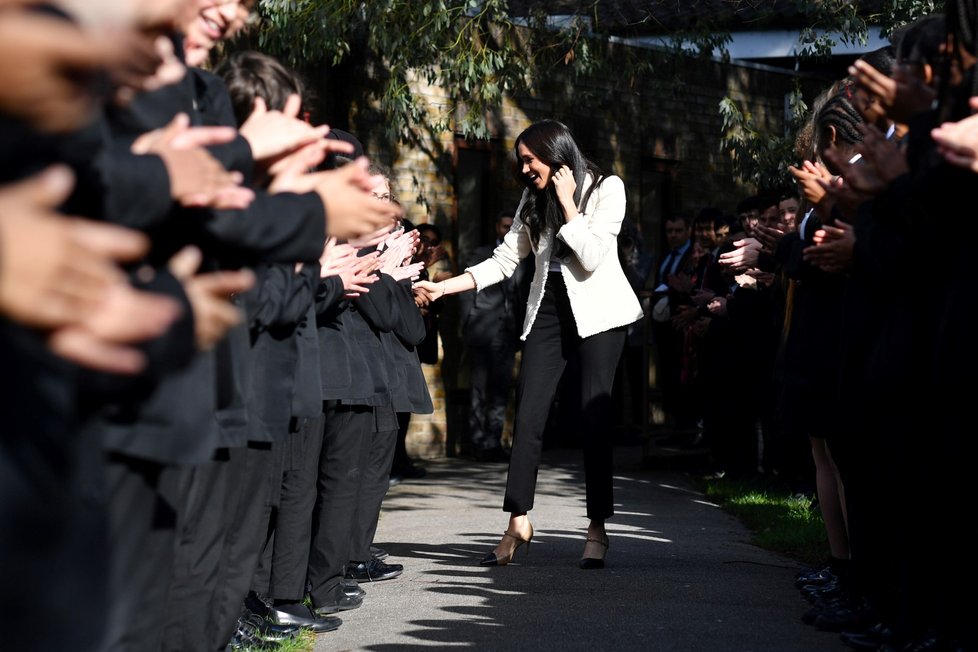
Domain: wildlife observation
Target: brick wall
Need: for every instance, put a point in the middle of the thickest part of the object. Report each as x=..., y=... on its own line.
x=671, y=120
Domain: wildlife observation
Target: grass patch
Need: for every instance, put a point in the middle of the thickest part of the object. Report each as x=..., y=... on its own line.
x=779, y=521
x=303, y=643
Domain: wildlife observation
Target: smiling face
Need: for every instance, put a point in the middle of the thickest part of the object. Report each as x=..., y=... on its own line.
x=216, y=20
x=537, y=172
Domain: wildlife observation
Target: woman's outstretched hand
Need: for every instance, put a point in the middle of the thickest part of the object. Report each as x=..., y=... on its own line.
x=432, y=291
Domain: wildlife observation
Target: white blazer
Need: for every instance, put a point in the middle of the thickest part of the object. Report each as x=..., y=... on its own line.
x=600, y=295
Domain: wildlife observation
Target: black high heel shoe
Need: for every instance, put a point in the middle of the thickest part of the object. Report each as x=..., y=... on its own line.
x=594, y=563
x=492, y=560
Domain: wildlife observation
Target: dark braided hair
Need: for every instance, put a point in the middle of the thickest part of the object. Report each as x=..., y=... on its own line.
x=839, y=113
x=554, y=144
x=961, y=17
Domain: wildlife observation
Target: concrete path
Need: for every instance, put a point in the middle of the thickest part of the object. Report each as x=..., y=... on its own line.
x=680, y=575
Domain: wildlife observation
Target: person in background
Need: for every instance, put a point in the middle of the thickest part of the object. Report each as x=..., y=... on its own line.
x=490, y=329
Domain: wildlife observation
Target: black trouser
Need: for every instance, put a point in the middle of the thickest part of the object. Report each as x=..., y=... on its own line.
x=203, y=492
x=553, y=341
x=143, y=517
x=347, y=433
x=375, y=480
x=283, y=568
x=245, y=523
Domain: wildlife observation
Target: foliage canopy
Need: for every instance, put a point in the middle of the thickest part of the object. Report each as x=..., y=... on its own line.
x=478, y=51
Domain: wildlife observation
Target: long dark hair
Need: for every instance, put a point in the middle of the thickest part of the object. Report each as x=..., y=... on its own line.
x=554, y=144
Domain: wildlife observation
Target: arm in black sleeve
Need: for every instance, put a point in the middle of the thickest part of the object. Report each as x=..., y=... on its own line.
x=378, y=306
x=329, y=292
x=136, y=188
x=281, y=296
x=410, y=324
x=216, y=110
x=281, y=228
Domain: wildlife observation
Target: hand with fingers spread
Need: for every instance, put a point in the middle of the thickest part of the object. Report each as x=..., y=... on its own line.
x=359, y=274
x=882, y=162
x=902, y=95
x=274, y=134
x=744, y=255
x=807, y=175
x=398, y=249
x=210, y=295
x=408, y=271
x=56, y=270
x=351, y=210
x=335, y=255
x=46, y=65
x=770, y=236
x=59, y=274
x=103, y=340
x=356, y=272
x=843, y=196
x=197, y=179
x=833, y=248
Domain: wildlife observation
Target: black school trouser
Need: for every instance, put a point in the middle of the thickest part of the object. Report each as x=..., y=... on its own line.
x=552, y=342
x=282, y=574
x=217, y=547
x=375, y=481
x=246, y=523
x=347, y=433
x=143, y=517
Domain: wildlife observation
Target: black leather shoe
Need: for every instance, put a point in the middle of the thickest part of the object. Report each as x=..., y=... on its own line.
x=296, y=613
x=338, y=600
x=378, y=553
x=352, y=587
x=373, y=570
x=266, y=630
x=246, y=638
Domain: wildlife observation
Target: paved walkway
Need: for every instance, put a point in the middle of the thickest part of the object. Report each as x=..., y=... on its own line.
x=680, y=573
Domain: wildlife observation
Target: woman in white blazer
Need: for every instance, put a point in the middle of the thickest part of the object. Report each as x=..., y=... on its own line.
x=579, y=305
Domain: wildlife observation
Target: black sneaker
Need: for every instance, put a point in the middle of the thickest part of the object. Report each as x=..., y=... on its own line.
x=373, y=570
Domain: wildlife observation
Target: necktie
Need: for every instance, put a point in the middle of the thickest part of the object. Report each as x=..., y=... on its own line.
x=668, y=265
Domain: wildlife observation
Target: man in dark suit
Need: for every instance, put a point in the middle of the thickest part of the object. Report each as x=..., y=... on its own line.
x=491, y=324
x=673, y=285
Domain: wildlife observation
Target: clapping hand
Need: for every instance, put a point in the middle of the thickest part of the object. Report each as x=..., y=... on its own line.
x=833, y=248
x=356, y=272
